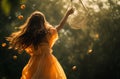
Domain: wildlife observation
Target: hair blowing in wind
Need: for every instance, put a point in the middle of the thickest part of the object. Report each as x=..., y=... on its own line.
x=32, y=32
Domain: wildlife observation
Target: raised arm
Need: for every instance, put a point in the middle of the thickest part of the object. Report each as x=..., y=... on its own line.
x=64, y=19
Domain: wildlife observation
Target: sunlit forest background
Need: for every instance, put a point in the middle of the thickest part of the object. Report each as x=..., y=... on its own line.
x=90, y=52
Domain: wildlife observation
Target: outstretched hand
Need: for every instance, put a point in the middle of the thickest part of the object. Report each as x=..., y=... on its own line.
x=62, y=22
x=70, y=11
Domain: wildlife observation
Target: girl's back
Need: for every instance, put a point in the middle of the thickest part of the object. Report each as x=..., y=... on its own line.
x=43, y=64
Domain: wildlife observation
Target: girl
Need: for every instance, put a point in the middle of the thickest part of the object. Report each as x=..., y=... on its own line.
x=37, y=37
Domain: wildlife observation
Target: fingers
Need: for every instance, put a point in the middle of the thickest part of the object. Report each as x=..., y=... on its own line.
x=70, y=11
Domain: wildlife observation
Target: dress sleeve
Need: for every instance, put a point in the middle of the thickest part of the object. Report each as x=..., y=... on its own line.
x=53, y=36
x=53, y=31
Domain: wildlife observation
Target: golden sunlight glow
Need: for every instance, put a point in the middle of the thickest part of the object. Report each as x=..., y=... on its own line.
x=118, y=2
x=96, y=36
x=75, y=1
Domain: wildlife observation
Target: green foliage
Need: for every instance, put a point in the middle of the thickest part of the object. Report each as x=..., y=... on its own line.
x=6, y=6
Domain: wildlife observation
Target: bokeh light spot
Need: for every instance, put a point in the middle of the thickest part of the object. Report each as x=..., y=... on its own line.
x=22, y=6
x=4, y=44
x=14, y=57
x=20, y=17
x=74, y=68
x=89, y=51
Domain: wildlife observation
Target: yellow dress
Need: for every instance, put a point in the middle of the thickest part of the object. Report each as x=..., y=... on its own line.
x=43, y=64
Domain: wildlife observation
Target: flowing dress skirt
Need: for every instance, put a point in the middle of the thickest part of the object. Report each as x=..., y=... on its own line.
x=43, y=66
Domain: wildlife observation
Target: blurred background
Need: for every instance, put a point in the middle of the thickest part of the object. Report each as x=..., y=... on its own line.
x=87, y=48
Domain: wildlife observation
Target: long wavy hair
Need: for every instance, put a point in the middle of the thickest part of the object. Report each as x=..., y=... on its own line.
x=32, y=32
